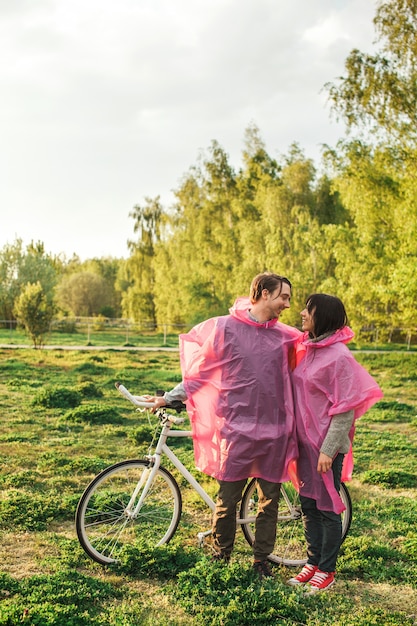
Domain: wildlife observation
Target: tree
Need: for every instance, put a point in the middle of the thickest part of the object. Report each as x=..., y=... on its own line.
x=136, y=275
x=82, y=294
x=226, y=227
x=107, y=269
x=34, y=312
x=376, y=171
x=10, y=261
x=19, y=267
x=106, y=297
x=288, y=232
x=379, y=92
x=201, y=246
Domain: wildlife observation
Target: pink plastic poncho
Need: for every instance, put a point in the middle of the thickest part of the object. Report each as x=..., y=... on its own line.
x=327, y=381
x=236, y=374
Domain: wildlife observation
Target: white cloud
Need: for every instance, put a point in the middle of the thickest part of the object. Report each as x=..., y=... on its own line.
x=105, y=103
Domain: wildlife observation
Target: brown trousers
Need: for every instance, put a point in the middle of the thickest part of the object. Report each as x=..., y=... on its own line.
x=224, y=519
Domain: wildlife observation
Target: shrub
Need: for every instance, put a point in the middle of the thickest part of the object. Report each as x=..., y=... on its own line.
x=65, y=326
x=88, y=389
x=390, y=478
x=233, y=595
x=391, y=411
x=164, y=562
x=64, y=599
x=93, y=414
x=35, y=311
x=63, y=465
x=141, y=434
x=57, y=397
x=90, y=368
x=370, y=558
x=18, y=510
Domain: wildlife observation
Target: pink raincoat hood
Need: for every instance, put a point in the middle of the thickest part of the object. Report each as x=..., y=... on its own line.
x=327, y=381
x=236, y=374
x=343, y=335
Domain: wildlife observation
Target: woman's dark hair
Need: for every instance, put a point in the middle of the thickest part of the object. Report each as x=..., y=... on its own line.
x=328, y=313
x=266, y=280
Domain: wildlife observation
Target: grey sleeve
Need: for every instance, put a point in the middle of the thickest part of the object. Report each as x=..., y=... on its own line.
x=178, y=393
x=337, y=438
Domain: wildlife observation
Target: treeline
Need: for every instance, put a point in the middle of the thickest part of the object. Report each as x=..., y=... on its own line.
x=346, y=226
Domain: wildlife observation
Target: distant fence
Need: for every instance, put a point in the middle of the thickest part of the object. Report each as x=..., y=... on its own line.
x=124, y=331
x=91, y=328
x=104, y=324
x=382, y=335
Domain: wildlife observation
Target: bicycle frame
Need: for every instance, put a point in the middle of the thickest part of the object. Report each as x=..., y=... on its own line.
x=155, y=458
x=162, y=447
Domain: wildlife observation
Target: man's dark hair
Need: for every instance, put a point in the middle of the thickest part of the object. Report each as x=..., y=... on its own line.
x=266, y=280
x=328, y=313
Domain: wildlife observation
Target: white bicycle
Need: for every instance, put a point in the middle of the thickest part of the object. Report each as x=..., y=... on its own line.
x=140, y=500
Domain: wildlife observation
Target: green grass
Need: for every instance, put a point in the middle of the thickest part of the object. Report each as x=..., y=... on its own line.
x=83, y=336
x=63, y=421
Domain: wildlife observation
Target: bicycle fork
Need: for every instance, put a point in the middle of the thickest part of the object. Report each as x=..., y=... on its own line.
x=147, y=477
x=144, y=484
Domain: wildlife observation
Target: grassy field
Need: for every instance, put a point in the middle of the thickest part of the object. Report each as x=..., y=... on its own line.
x=63, y=421
x=117, y=337
x=93, y=336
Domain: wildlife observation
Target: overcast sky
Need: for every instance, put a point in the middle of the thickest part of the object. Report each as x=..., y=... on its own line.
x=105, y=102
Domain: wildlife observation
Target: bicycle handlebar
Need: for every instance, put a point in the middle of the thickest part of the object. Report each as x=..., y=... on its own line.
x=142, y=402
x=139, y=401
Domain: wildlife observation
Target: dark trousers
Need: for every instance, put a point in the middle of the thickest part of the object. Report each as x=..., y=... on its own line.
x=323, y=529
x=224, y=519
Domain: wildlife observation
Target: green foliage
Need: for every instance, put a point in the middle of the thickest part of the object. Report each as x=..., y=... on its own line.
x=230, y=596
x=57, y=397
x=370, y=558
x=136, y=276
x=19, y=267
x=65, y=326
x=90, y=368
x=163, y=563
x=390, y=478
x=21, y=510
x=93, y=414
x=238, y=224
x=141, y=434
x=376, y=183
x=82, y=294
x=88, y=389
x=233, y=595
x=374, y=616
x=378, y=91
x=34, y=311
x=64, y=465
x=63, y=599
x=391, y=411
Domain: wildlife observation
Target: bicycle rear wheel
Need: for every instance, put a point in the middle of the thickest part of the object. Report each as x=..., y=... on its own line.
x=105, y=523
x=290, y=545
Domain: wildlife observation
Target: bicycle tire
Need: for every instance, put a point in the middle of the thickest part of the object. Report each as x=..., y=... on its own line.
x=290, y=545
x=103, y=525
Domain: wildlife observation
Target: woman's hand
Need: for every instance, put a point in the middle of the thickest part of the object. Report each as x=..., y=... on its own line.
x=324, y=463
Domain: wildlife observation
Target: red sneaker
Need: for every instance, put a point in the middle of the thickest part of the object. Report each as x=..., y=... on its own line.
x=304, y=576
x=321, y=581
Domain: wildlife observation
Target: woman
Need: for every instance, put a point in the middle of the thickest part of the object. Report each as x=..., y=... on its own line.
x=331, y=391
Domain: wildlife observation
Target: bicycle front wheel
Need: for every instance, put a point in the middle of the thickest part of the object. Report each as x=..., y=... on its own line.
x=290, y=545
x=106, y=519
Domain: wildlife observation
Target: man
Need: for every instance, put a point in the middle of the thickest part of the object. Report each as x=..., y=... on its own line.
x=236, y=384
